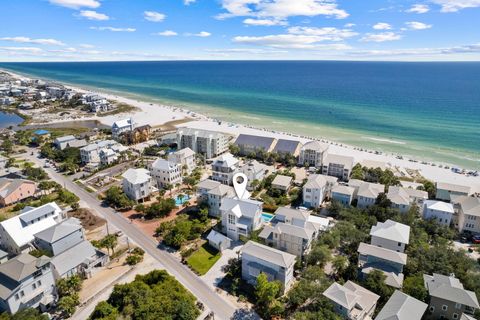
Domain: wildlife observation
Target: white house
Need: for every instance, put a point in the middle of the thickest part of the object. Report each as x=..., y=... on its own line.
x=390, y=235
x=26, y=282
x=468, y=214
x=403, y=198
x=275, y=264
x=254, y=170
x=208, y=143
x=213, y=192
x=69, y=142
x=367, y=194
x=438, y=210
x=60, y=237
x=314, y=191
x=343, y=194
x=17, y=233
x=219, y=241
x=312, y=154
x=337, y=166
x=282, y=183
x=91, y=152
x=122, y=126
x=185, y=158
x=240, y=217
x=137, y=184
x=445, y=191
x=401, y=306
x=165, y=172
x=223, y=168
x=352, y=301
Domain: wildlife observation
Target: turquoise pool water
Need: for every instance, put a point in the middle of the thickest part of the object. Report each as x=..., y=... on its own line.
x=267, y=217
x=181, y=201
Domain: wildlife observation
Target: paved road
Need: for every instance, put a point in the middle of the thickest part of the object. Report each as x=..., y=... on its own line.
x=223, y=309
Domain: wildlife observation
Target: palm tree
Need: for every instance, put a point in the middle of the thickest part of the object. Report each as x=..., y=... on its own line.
x=168, y=187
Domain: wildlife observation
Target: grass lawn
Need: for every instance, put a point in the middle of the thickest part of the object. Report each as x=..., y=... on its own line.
x=203, y=259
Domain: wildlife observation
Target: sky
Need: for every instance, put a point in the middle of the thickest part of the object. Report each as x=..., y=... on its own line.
x=91, y=30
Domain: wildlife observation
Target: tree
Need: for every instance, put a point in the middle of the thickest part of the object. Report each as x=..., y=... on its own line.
x=110, y=242
x=68, y=197
x=115, y=197
x=429, y=187
x=69, y=286
x=319, y=255
x=7, y=146
x=375, y=282
x=68, y=304
x=339, y=264
x=415, y=287
x=104, y=311
x=266, y=293
x=133, y=259
x=168, y=187
x=24, y=314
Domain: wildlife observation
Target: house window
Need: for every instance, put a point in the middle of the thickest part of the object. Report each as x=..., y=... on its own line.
x=39, y=283
x=16, y=296
x=22, y=294
x=455, y=316
x=231, y=219
x=34, y=286
x=458, y=306
x=444, y=307
x=432, y=308
x=399, y=244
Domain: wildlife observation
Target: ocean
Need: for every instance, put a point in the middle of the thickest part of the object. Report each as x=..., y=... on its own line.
x=427, y=110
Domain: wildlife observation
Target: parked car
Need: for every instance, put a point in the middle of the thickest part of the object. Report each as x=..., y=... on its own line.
x=476, y=239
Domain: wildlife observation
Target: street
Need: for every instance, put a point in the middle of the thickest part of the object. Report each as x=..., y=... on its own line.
x=223, y=309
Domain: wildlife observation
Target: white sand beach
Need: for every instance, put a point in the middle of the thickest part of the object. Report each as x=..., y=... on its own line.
x=158, y=114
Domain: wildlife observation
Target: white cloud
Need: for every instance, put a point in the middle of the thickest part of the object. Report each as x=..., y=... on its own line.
x=381, y=37
x=456, y=5
x=246, y=50
x=281, y=9
x=188, y=2
x=473, y=48
x=93, y=15
x=166, y=33
x=52, y=42
x=419, y=8
x=201, y=34
x=86, y=46
x=323, y=34
x=382, y=26
x=22, y=49
x=113, y=29
x=349, y=25
x=415, y=25
x=264, y=22
x=76, y=4
x=154, y=16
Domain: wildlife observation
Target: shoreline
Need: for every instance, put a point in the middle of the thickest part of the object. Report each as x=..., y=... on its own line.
x=156, y=115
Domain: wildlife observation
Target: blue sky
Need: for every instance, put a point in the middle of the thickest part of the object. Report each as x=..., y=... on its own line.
x=77, y=30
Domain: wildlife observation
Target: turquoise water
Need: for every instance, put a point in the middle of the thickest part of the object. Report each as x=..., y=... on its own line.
x=179, y=201
x=427, y=110
x=267, y=217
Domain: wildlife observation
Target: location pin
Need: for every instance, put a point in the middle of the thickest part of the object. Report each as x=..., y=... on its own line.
x=240, y=185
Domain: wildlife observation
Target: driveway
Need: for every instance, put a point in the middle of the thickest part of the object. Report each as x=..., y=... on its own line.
x=215, y=274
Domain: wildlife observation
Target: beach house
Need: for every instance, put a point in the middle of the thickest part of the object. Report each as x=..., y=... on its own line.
x=185, y=158
x=15, y=190
x=137, y=184
x=284, y=146
x=401, y=306
x=212, y=193
x=351, y=301
x=468, y=214
x=69, y=142
x=282, y=183
x=17, y=233
x=219, y=241
x=208, y=143
x=343, y=194
x=165, y=172
x=249, y=144
x=337, y=166
x=275, y=264
x=445, y=191
x=255, y=171
x=289, y=238
x=91, y=153
x=316, y=189
x=122, y=126
x=312, y=154
x=26, y=282
x=391, y=235
x=60, y=237
x=367, y=194
x=224, y=167
x=240, y=217
x=438, y=210
x=447, y=298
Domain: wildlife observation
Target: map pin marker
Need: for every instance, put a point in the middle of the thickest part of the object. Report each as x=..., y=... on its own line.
x=240, y=184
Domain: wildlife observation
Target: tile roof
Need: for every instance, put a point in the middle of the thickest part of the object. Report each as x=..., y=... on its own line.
x=346, y=161
x=136, y=176
x=391, y=230
x=449, y=288
x=268, y=254
x=382, y=253
x=370, y=190
x=59, y=231
x=281, y=180
x=401, y=306
x=439, y=206
x=453, y=187
x=73, y=257
x=247, y=207
x=351, y=295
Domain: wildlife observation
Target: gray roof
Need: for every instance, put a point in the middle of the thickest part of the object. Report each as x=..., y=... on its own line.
x=208, y=184
x=449, y=288
x=200, y=133
x=439, y=206
x=292, y=213
x=398, y=195
x=343, y=190
x=391, y=230
x=259, y=142
x=222, y=190
x=401, y=306
x=268, y=254
x=304, y=233
x=73, y=257
x=370, y=190
x=137, y=176
x=64, y=139
x=247, y=207
x=8, y=186
x=281, y=180
x=59, y=231
x=382, y=253
x=391, y=278
x=253, y=166
x=453, y=187
x=351, y=295
x=287, y=146
x=32, y=214
x=470, y=205
x=315, y=181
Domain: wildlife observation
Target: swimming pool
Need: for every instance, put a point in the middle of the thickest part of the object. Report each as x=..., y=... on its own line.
x=267, y=217
x=181, y=201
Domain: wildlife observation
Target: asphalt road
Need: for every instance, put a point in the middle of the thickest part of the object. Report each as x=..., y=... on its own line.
x=223, y=309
